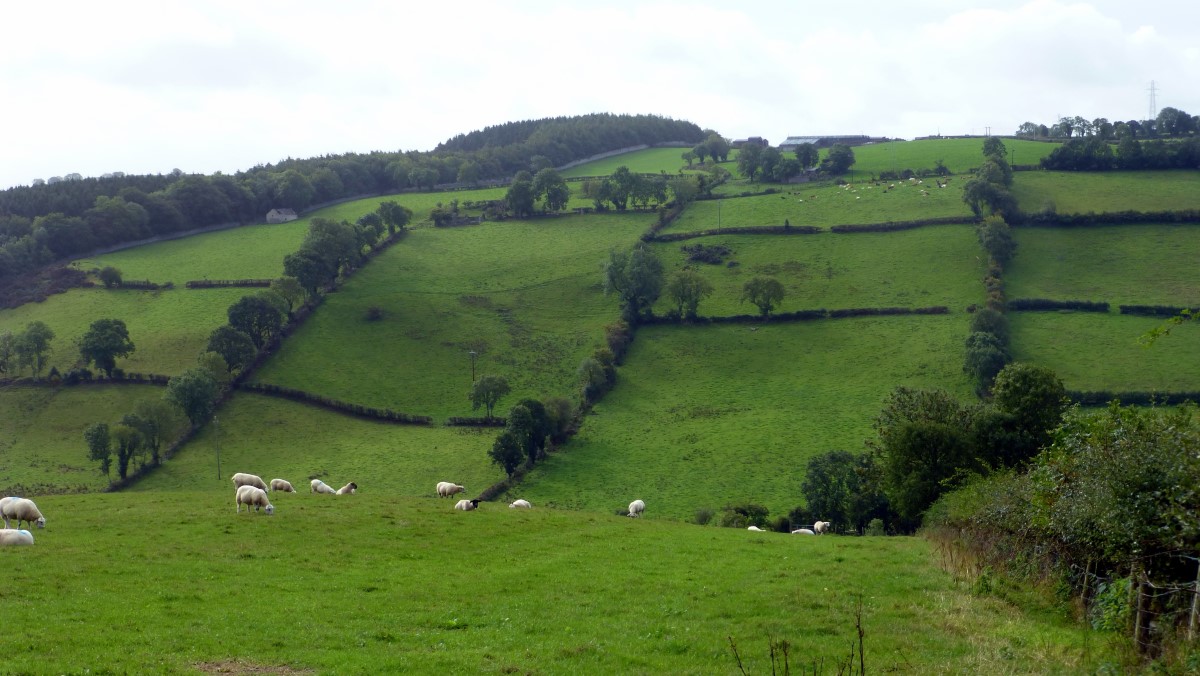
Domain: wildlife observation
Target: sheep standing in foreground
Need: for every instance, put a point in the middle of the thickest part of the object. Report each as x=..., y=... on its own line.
x=446, y=489
x=21, y=509
x=636, y=508
x=520, y=504
x=242, y=479
x=348, y=489
x=282, y=485
x=319, y=486
x=466, y=505
x=11, y=536
x=820, y=527
x=252, y=496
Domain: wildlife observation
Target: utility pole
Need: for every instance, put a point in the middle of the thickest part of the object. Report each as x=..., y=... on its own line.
x=473, y=354
x=1153, y=103
x=217, y=440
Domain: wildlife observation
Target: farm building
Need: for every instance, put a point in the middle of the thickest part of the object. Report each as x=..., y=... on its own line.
x=281, y=215
x=756, y=140
x=791, y=142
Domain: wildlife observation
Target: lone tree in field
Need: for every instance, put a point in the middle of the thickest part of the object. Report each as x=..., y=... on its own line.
x=195, y=393
x=763, y=292
x=686, y=289
x=106, y=340
x=487, y=392
x=637, y=279
x=550, y=187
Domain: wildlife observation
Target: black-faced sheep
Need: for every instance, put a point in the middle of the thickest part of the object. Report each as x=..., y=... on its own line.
x=520, y=504
x=242, y=479
x=446, y=489
x=319, y=486
x=21, y=509
x=466, y=505
x=636, y=508
x=282, y=485
x=348, y=489
x=13, y=537
x=255, y=497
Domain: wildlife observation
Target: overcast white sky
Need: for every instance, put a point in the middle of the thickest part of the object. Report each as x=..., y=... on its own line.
x=224, y=85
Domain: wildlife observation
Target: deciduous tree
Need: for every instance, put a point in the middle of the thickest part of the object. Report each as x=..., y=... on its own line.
x=257, y=317
x=686, y=289
x=104, y=341
x=32, y=346
x=637, y=279
x=195, y=393
x=487, y=392
x=763, y=292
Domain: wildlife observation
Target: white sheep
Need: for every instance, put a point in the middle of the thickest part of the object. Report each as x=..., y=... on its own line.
x=21, y=509
x=255, y=497
x=466, y=505
x=282, y=485
x=754, y=528
x=242, y=479
x=348, y=489
x=803, y=531
x=636, y=508
x=446, y=489
x=11, y=536
x=820, y=527
x=319, y=486
x=520, y=504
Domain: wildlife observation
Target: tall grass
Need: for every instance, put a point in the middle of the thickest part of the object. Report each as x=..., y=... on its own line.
x=371, y=583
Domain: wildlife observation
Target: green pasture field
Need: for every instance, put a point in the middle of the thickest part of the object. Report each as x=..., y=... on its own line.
x=169, y=328
x=41, y=438
x=1080, y=192
x=248, y=252
x=960, y=155
x=277, y=438
x=1121, y=265
x=1102, y=352
x=702, y=417
x=932, y=265
x=526, y=296
x=373, y=583
x=647, y=161
x=825, y=204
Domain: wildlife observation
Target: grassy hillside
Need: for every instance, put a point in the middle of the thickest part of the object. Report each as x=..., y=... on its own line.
x=648, y=161
x=960, y=155
x=826, y=204
x=177, y=583
x=169, y=328
x=841, y=271
x=1073, y=192
x=703, y=417
x=524, y=295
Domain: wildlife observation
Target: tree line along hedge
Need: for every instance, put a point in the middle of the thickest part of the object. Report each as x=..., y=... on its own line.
x=368, y=412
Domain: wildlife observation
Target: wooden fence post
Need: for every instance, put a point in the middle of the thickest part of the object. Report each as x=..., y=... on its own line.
x=1194, y=620
x=1139, y=622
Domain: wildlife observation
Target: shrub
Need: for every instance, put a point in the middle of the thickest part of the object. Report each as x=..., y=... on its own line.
x=703, y=516
x=110, y=276
x=742, y=516
x=875, y=528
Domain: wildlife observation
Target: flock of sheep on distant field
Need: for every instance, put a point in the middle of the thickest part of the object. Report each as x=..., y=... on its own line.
x=250, y=490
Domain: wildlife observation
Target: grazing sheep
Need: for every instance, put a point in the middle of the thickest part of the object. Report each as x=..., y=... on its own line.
x=520, y=504
x=754, y=528
x=11, y=536
x=319, y=486
x=466, y=505
x=21, y=509
x=242, y=479
x=348, y=489
x=446, y=489
x=803, y=531
x=282, y=485
x=820, y=527
x=636, y=508
x=255, y=497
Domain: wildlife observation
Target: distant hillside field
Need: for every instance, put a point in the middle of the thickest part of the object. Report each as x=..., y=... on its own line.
x=705, y=417
x=647, y=161
x=840, y=270
x=1080, y=192
x=960, y=155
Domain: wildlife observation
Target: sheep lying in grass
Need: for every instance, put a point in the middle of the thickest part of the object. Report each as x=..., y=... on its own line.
x=242, y=479
x=11, y=536
x=348, y=489
x=319, y=486
x=252, y=496
x=820, y=527
x=636, y=508
x=803, y=531
x=754, y=528
x=282, y=485
x=520, y=504
x=21, y=509
x=446, y=489
x=466, y=505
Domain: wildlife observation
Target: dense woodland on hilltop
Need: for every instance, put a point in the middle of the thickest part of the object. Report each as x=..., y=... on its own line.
x=58, y=218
